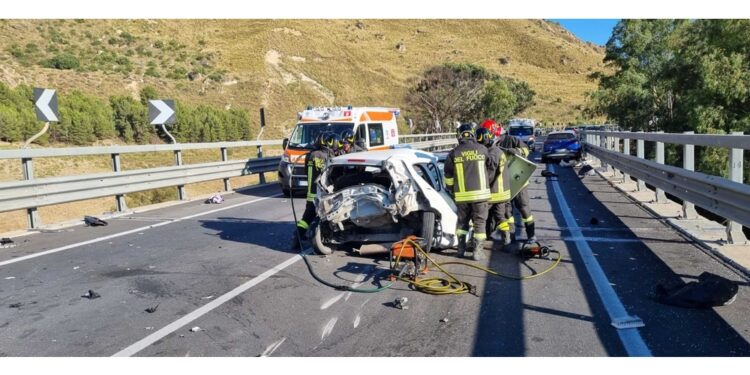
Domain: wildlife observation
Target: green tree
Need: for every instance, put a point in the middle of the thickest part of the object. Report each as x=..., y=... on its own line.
x=498, y=101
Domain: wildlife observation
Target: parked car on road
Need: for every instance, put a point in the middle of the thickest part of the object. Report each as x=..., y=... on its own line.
x=562, y=145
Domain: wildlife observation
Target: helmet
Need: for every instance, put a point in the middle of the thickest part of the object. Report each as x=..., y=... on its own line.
x=333, y=141
x=493, y=127
x=320, y=141
x=347, y=136
x=465, y=131
x=485, y=136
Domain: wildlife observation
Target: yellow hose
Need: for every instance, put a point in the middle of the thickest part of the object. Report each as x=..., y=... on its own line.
x=451, y=284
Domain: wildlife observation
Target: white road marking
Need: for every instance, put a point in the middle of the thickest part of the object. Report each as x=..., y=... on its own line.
x=595, y=239
x=136, y=230
x=356, y=321
x=328, y=328
x=203, y=310
x=331, y=301
x=272, y=348
x=630, y=337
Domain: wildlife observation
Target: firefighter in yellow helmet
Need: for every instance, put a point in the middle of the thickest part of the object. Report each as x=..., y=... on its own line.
x=315, y=161
x=467, y=168
x=506, y=228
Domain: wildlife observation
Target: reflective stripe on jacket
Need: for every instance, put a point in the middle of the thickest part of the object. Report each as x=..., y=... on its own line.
x=467, y=168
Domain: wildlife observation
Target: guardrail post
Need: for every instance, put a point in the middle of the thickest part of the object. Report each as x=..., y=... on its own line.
x=688, y=163
x=181, y=195
x=660, y=196
x=603, y=143
x=641, y=153
x=120, y=199
x=225, y=157
x=626, y=151
x=262, y=176
x=734, y=229
x=28, y=174
x=616, y=148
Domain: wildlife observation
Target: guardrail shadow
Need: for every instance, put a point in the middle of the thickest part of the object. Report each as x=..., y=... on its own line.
x=634, y=269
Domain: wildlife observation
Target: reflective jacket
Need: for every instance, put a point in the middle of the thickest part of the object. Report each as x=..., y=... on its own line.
x=467, y=168
x=509, y=142
x=315, y=161
x=499, y=180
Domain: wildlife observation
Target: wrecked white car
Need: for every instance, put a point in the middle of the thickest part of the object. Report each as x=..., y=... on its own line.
x=380, y=197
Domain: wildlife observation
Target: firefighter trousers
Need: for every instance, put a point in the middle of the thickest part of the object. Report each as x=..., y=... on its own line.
x=474, y=213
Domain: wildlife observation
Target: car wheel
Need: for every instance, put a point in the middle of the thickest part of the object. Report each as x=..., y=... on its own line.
x=286, y=192
x=318, y=243
x=428, y=229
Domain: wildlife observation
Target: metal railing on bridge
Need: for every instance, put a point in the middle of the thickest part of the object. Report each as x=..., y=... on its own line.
x=728, y=198
x=31, y=193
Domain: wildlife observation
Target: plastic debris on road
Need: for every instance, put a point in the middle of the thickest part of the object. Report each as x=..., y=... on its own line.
x=92, y=221
x=91, y=294
x=215, y=199
x=401, y=303
x=195, y=329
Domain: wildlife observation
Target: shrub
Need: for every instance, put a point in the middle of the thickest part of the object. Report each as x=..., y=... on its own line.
x=63, y=61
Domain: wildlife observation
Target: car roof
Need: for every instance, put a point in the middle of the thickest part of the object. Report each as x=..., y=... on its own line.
x=377, y=157
x=562, y=132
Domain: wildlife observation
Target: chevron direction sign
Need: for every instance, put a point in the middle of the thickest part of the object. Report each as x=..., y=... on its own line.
x=45, y=104
x=161, y=112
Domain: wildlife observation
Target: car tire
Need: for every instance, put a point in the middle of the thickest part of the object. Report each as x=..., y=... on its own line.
x=428, y=229
x=287, y=192
x=318, y=244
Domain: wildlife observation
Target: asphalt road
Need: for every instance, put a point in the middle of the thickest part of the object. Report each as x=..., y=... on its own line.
x=227, y=269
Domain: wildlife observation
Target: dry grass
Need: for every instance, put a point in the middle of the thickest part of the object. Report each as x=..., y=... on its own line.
x=360, y=66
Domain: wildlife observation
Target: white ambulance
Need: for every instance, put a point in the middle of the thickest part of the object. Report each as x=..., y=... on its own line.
x=374, y=127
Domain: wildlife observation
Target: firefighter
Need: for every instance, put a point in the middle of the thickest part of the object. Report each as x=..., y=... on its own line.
x=499, y=181
x=315, y=162
x=467, y=168
x=349, y=144
x=505, y=230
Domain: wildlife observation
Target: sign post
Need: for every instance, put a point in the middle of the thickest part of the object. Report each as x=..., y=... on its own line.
x=162, y=112
x=262, y=178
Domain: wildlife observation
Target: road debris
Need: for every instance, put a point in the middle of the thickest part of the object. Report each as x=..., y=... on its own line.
x=15, y=305
x=149, y=328
x=195, y=329
x=208, y=297
x=215, y=199
x=549, y=174
x=536, y=197
x=92, y=221
x=6, y=243
x=152, y=309
x=401, y=303
x=91, y=294
x=444, y=320
x=709, y=291
x=586, y=170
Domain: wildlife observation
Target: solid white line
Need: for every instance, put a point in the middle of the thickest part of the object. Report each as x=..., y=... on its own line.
x=203, y=310
x=136, y=230
x=630, y=337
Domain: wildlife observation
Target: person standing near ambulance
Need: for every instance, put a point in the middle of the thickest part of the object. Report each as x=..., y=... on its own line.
x=315, y=161
x=467, y=168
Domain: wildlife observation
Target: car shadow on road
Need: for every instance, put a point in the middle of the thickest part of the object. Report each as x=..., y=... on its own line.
x=273, y=235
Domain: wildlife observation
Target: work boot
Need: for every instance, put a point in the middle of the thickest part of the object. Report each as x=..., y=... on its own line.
x=477, y=251
x=461, y=246
x=530, y=232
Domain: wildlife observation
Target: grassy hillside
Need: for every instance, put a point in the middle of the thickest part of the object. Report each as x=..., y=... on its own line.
x=284, y=65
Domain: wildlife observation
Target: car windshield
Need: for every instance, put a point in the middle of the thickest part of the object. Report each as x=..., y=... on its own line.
x=521, y=130
x=560, y=136
x=304, y=134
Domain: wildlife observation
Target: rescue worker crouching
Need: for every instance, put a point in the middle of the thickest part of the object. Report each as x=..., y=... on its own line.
x=513, y=146
x=315, y=161
x=467, y=168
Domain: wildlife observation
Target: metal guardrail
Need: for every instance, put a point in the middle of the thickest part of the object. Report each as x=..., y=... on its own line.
x=31, y=193
x=729, y=198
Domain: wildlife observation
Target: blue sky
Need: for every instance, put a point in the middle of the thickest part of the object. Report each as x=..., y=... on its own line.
x=591, y=30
